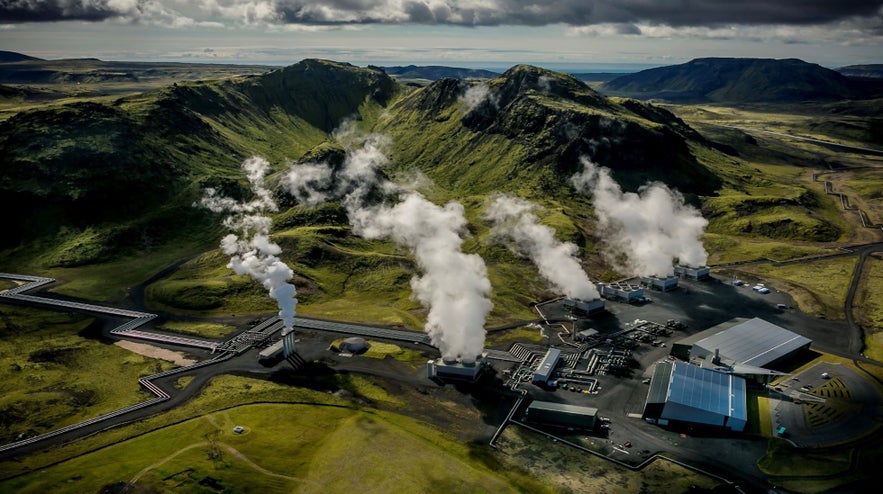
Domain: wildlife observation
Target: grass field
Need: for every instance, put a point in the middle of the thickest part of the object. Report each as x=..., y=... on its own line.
x=730, y=248
x=782, y=459
x=382, y=350
x=818, y=287
x=509, y=336
x=206, y=329
x=567, y=470
x=50, y=376
x=869, y=308
x=108, y=282
x=325, y=449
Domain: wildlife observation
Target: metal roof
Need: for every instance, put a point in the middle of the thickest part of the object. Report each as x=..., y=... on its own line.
x=754, y=342
x=693, y=338
x=550, y=406
x=659, y=383
x=708, y=391
x=547, y=365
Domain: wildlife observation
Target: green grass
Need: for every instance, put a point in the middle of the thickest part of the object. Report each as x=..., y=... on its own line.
x=326, y=449
x=869, y=309
x=7, y=284
x=509, y=336
x=818, y=287
x=565, y=469
x=207, y=329
x=723, y=248
x=109, y=281
x=50, y=376
x=380, y=350
x=183, y=381
x=782, y=459
x=755, y=421
x=223, y=392
x=764, y=419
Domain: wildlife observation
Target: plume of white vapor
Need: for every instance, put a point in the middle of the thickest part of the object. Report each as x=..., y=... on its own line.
x=474, y=96
x=249, y=246
x=651, y=227
x=314, y=183
x=308, y=182
x=514, y=220
x=454, y=285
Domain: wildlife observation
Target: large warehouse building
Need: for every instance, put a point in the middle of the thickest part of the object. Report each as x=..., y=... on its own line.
x=681, y=393
x=747, y=342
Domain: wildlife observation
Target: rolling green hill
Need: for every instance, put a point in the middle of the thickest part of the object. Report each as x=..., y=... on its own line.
x=530, y=131
x=106, y=185
x=96, y=180
x=735, y=80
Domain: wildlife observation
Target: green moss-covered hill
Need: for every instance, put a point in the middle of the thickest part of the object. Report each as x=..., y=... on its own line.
x=103, y=192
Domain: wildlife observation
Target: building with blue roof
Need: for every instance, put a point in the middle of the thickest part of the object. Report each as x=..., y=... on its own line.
x=681, y=393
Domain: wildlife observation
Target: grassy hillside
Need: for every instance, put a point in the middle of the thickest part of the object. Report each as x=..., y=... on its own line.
x=132, y=168
x=101, y=181
x=53, y=373
x=528, y=134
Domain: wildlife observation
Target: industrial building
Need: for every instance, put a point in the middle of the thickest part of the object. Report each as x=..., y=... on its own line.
x=747, y=342
x=462, y=370
x=562, y=415
x=622, y=291
x=663, y=284
x=699, y=273
x=682, y=394
x=584, y=306
x=586, y=334
x=547, y=366
x=271, y=353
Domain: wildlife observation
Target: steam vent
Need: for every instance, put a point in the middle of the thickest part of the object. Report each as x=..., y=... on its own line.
x=457, y=370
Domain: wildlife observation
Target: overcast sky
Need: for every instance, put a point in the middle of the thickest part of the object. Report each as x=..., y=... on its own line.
x=561, y=34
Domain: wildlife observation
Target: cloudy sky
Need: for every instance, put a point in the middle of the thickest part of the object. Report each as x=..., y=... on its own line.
x=561, y=34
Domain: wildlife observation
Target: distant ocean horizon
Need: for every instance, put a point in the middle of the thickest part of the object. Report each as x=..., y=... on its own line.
x=573, y=68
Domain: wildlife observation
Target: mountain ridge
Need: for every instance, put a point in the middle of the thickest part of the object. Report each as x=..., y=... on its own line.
x=719, y=79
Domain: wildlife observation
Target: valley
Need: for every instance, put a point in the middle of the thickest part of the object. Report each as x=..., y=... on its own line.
x=109, y=185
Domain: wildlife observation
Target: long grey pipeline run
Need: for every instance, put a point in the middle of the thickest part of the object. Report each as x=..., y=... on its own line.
x=127, y=329
x=226, y=350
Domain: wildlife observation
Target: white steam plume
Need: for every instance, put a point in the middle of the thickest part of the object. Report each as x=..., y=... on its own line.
x=308, y=182
x=651, y=227
x=514, y=220
x=454, y=285
x=249, y=246
x=476, y=95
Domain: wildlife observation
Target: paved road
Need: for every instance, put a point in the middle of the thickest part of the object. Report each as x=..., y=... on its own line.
x=829, y=144
x=856, y=335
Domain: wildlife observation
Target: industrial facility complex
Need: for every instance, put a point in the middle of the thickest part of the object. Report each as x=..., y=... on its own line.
x=622, y=355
